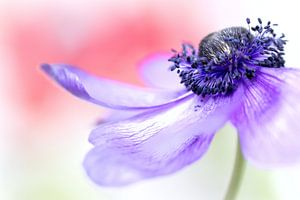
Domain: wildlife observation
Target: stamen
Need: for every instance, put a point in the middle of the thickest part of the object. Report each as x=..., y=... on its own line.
x=228, y=57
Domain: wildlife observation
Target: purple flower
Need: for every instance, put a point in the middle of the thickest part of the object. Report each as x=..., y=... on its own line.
x=235, y=75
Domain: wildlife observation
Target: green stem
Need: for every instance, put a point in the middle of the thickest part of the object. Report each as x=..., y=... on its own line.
x=237, y=175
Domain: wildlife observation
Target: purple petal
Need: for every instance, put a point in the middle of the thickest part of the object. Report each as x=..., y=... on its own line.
x=106, y=92
x=155, y=143
x=156, y=73
x=268, y=121
x=116, y=115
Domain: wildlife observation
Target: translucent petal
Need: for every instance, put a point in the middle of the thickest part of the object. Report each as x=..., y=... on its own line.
x=268, y=121
x=156, y=72
x=106, y=92
x=155, y=143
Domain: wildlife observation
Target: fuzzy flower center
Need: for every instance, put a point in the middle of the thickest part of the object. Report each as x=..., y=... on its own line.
x=227, y=58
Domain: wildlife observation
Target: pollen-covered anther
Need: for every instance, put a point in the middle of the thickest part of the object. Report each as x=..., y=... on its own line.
x=228, y=57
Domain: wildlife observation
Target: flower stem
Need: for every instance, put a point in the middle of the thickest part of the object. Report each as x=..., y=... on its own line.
x=237, y=175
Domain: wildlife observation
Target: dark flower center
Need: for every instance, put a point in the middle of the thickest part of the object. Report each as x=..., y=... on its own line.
x=227, y=58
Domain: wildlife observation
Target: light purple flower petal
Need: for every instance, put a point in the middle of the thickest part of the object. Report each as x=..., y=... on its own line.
x=156, y=142
x=117, y=115
x=269, y=121
x=106, y=92
x=156, y=73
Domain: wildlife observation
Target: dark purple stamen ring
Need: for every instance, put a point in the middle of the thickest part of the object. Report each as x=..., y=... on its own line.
x=228, y=57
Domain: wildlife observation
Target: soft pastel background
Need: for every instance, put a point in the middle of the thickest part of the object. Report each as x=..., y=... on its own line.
x=44, y=130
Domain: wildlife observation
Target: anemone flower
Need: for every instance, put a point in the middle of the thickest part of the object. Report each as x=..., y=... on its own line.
x=236, y=75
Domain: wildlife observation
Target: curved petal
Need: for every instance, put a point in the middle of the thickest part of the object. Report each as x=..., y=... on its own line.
x=116, y=115
x=106, y=92
x=155, y=143
x=156, y=72
x=268, y=121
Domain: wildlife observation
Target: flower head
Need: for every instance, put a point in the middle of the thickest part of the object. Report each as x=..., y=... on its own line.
x=236, y=75
x=227, y=57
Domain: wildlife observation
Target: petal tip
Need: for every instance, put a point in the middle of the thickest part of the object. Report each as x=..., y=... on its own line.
x=51, y=69
x=107, y=171
x=68, y=77
x=45, y=67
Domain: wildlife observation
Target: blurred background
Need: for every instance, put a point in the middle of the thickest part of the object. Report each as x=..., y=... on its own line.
x=44, y=129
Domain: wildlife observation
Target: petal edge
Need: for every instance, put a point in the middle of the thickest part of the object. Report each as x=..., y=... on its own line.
x=109, y=93
x=268, y=121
